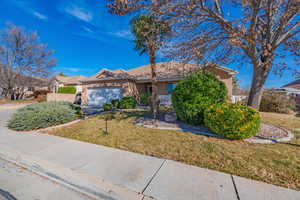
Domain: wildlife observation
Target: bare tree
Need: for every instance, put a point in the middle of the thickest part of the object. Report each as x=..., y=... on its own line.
x=259, y=32
x=22, y=58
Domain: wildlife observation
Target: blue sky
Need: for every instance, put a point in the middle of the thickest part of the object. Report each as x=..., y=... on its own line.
x=87, y=38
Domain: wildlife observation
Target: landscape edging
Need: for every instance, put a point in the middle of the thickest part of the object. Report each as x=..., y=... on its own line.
x=250, y=140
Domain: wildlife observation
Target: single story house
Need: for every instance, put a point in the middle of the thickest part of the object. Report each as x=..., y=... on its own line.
x=115, y=84
x=295, y=84
x=61, y=81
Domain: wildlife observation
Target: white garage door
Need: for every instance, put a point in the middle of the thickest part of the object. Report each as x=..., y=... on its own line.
x=99, y=96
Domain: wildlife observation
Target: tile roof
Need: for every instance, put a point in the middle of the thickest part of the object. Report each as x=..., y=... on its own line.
x=165, y=70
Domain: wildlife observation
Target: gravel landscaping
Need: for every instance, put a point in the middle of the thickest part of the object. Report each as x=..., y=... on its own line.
x=267, y=131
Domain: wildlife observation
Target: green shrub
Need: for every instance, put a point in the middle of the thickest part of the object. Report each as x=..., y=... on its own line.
x=128, y=103
x=145, y=99
x=67, y=90
x=45, y=114
x=277, y=102
x=115, y=103
x=107, y=107
x=233, y=121
x=194, y=94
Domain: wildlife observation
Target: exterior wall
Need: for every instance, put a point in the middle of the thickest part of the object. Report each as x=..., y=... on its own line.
x=163, y=86
x=78, y=88
x=61, y=97
x=129, y=88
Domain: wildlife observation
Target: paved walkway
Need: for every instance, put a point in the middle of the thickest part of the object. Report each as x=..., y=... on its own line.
x=135, y=176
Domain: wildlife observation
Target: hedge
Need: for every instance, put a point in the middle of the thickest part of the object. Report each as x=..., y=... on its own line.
x=277, y=102
x=234, y=121
x=67, y=90
x=115, y=103
x=194, y=94
x=145, y=99
x=128, y=103
x=107, y=107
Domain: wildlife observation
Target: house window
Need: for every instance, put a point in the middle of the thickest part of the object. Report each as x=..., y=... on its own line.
x=149, y=89
x=171, y=87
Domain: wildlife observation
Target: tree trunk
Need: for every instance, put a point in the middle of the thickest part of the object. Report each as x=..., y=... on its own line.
x=155, y=99
x=259, y=78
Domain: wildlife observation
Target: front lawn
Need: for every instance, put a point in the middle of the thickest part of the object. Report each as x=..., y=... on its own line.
x=277, y=164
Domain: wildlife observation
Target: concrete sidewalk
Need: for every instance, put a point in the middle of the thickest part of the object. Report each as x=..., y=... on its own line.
x=139, y=174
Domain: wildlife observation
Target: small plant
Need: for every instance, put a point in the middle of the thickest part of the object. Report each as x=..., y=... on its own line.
x=195, y=93
x=233, y=121
x=115, y=103
x=107, y=107
x=45, y=114
x=128, y=103
x=108, y=117
x=145, y=99
x=67, y=90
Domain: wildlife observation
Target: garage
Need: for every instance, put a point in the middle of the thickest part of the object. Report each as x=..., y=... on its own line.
x=99, y=96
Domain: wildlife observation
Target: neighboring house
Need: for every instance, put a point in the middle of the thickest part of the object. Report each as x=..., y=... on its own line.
x=108, y=84
x=295, y=84
x=61, y=81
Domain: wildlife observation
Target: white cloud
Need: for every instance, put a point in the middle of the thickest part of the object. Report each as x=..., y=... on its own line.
x=70, y=69
x=87, y=29
x=39, y=15
x=79, y=13
x=126, y=34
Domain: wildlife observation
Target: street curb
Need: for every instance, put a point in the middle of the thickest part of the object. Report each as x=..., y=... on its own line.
x=80, y=182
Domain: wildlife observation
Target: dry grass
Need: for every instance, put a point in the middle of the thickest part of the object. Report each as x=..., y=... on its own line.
x=6, y=101
x=278, y=164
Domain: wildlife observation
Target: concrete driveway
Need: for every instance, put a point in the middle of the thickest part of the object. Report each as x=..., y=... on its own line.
x=128, y=175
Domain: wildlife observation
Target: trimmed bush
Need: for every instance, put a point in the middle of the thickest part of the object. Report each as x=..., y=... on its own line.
x=107, y=107
x=194, y=94
x=67, y=90
x=115, y=103
x=145, y=99
x=45, y=114
x=276, y=102
x=128, y=103
x=233, y=121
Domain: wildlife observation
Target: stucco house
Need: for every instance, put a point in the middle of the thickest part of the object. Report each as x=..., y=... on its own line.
x=113, y=84
x=61, y=81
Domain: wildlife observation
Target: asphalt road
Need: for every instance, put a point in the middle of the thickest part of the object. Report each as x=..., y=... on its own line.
x=17, y=183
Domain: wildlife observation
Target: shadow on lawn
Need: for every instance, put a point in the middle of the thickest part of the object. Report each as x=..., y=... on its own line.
x=292, y=144
x=117, y=115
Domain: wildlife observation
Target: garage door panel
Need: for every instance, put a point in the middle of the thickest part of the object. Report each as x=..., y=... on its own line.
x=100, y=96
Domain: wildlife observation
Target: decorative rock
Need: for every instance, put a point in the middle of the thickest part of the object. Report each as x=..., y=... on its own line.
x=170, y=117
